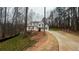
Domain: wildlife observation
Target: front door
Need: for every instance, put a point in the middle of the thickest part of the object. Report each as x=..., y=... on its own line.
x=39, y=29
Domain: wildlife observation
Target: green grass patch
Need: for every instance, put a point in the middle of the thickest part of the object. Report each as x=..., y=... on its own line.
x=16, y=44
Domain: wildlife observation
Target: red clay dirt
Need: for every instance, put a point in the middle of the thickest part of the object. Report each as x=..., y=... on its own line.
x=44, y=42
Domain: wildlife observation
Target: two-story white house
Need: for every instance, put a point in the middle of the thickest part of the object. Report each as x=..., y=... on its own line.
x=37, y=26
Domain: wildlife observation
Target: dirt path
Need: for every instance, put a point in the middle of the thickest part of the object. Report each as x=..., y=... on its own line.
x=47, y=43
x=67, y=41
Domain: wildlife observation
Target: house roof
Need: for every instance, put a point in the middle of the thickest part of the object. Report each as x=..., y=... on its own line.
x=35, y=21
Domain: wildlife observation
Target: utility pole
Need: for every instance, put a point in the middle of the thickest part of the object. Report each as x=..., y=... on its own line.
x=44, y=18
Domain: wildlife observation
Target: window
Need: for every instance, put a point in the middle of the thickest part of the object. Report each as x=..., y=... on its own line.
x=42, y=24
x=29, y=27
x=32, y=27
x=39, y=25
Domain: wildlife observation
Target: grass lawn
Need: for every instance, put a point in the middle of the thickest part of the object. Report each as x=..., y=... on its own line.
x=16, y=44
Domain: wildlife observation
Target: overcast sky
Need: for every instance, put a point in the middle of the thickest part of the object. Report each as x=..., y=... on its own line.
x=39, y=12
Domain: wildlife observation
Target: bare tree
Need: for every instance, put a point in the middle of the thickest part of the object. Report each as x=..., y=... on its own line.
x=16, y=19
x=25, y=28
x=44, y=18
x=1, y=20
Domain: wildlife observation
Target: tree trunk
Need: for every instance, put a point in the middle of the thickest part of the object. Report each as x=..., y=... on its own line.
x=44, y=18
x=0, y=20
x=4, y=25
x=25, y=28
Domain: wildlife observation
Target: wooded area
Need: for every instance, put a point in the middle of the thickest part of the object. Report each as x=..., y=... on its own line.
x=11, y=22
x=67, y=18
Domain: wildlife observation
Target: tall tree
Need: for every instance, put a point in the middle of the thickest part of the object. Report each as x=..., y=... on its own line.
x=60, y=12
x=4, y=25
x=78, y=20
x=16, y=19
x=74, y=19
x=1, y=20
x=26, y=15
x=44, y=18
x=51, y=19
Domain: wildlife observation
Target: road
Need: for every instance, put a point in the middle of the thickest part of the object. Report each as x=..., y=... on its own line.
x=67, y=41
